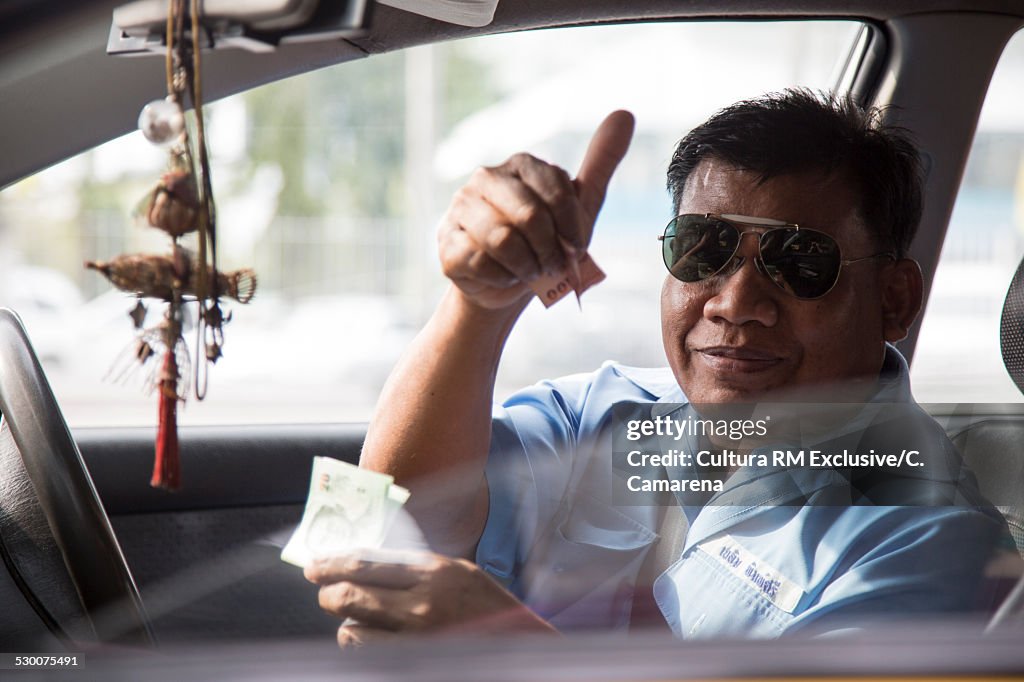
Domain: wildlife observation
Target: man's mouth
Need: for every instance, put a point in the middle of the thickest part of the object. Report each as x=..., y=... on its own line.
x=739, y=359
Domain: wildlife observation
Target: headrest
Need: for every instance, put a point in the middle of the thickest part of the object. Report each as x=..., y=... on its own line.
x=1011, y=329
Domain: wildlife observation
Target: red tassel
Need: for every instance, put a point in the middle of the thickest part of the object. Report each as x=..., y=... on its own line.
x=167, y=467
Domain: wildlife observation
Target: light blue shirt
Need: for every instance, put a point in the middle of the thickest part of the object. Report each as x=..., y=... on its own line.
x=777, y=551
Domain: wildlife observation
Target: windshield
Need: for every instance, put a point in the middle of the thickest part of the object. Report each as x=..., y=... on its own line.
x=594, y=327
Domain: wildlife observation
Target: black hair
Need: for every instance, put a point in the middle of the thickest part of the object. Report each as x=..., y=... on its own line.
x=799, y=130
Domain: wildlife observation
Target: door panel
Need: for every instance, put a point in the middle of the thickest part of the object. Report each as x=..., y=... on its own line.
x=206, y=559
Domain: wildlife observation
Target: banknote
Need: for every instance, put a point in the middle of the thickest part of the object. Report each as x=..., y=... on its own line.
x=347, y=508
x=578, y=277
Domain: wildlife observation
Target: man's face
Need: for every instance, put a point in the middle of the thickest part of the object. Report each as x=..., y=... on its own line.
x=739, y=337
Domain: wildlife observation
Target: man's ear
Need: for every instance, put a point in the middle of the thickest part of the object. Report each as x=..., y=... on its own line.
x=902, y=292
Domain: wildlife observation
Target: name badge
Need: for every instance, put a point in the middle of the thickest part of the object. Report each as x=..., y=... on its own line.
x=756, y=573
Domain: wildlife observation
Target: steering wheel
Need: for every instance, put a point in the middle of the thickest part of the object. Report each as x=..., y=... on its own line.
x=62, y=491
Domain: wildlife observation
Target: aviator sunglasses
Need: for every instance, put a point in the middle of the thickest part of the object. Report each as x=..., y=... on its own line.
x=800, y=261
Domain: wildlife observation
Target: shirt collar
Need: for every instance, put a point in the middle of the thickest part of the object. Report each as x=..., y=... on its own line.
x=659, y=382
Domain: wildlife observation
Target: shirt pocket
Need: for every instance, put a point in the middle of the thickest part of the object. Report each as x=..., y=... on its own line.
x=582, y=575
x=701, y=599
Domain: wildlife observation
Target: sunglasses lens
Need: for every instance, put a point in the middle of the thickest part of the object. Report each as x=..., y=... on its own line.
x=696, y=247
x=805, y=262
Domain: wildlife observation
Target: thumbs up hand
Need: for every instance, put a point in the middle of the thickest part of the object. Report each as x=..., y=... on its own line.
x=513, y=228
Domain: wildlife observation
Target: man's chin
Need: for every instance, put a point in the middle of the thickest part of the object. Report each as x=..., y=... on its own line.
x=724, y=393
x=721, y=392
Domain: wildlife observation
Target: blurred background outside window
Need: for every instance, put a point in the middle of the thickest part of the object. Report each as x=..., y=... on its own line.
x=331, y=185
x=957, y=357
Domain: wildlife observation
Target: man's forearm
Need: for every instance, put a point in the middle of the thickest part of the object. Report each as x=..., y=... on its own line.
x=432, y=426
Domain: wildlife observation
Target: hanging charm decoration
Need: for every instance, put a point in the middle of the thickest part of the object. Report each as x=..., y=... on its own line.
x=180, y=204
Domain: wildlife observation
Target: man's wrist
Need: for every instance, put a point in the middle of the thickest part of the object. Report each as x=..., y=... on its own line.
x=467, y=313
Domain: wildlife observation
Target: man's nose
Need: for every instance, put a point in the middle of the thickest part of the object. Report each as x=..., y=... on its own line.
x=746, y=295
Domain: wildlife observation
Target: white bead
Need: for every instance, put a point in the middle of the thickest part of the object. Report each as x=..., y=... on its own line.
x=162, y=121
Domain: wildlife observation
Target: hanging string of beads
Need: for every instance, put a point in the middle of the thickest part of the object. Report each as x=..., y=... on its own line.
x=180, y=204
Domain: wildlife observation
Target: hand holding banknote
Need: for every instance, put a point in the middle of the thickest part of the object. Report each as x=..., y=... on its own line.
x=386, y=592
x=524, y=226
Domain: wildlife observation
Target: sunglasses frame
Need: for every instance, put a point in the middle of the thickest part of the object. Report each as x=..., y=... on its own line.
x=739, y=221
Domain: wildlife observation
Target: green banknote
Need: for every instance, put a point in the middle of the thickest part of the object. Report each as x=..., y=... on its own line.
x=348, y=508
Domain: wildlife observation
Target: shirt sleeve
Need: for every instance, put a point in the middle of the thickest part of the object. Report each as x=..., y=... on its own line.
x=933, y=563
x=533, y=443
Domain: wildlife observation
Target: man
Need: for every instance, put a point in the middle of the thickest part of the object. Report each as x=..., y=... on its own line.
x=789, y=280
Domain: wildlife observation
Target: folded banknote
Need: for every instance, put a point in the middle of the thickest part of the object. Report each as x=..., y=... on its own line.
x=580, y=276
x=348, y=508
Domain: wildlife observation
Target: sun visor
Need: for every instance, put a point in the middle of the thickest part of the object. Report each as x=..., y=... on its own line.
x=258, y=25
x=261, y=15
x=461, y=12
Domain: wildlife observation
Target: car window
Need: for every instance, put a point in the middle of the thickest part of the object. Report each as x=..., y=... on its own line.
x=330, y=185
x=957, y=358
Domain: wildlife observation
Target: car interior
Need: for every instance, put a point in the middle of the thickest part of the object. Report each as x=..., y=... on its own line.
x=94, y=555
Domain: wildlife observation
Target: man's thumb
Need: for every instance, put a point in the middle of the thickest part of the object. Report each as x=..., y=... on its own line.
x=606, y=150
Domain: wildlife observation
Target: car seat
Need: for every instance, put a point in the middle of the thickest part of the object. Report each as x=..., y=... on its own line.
x=993, y=447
